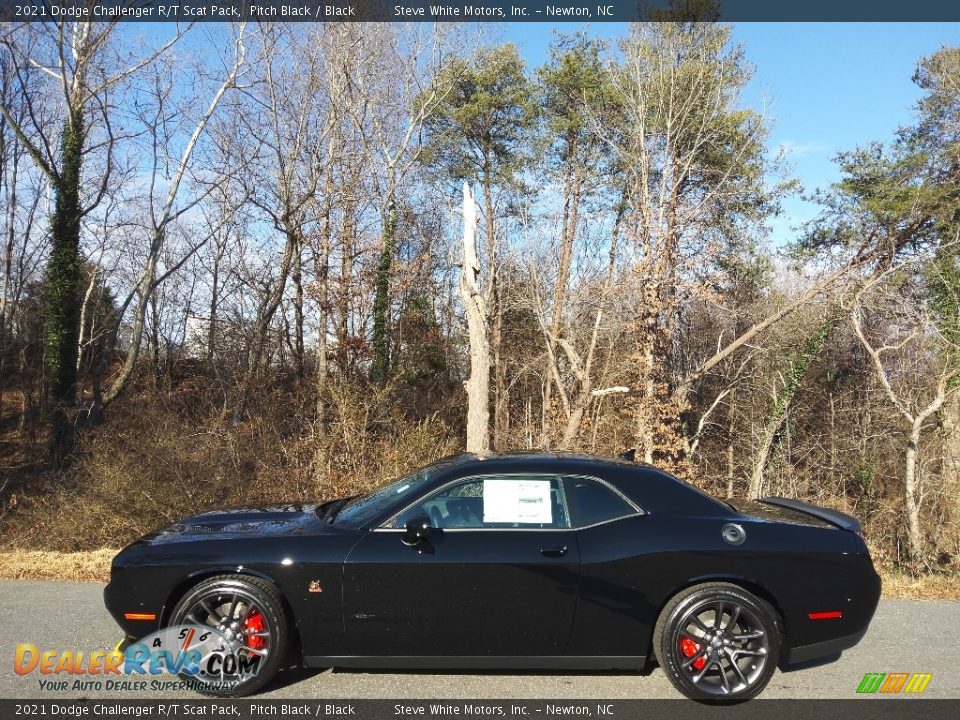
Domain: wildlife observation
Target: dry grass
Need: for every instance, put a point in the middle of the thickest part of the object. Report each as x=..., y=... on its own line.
x=163, y=458
x=926, y=587
x=94, y=566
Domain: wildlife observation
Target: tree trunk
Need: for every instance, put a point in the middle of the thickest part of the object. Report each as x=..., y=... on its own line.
x=568, y=236
x=214, y=301
x=321, y=268
x=343, y=354
x=478, y=384
x=581, y=404
x=781, y=406
x=84, y=309
x=380, y=368
x=270, y=305
x=62, y=311
x=496, y=313
x=950, y=453
x=729, y=468
x=658, y=432
x=155, y=337
x=914, y=536
x=297, y=277
x=770, y=430
x=11, y=183
x=136, y=339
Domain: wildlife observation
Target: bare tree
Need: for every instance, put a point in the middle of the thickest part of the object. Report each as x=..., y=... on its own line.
x=290, y=132
x=576, y=402
x=74, y=55
x=391, y=95
x=692, y=159
x=160, y=226
x=789, y=382
x=916, y=403
x=478, y=384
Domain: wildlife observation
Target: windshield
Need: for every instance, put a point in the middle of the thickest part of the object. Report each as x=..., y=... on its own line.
x=358, y=511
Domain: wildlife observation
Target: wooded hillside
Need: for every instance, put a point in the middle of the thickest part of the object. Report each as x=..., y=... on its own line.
x=234, y=271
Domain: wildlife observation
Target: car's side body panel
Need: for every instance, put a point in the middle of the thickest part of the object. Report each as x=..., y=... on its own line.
x=493, y=591
x=613, y=606
x=622, y=590
x=307, y=569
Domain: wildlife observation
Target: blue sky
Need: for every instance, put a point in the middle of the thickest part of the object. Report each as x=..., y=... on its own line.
x=827, y=86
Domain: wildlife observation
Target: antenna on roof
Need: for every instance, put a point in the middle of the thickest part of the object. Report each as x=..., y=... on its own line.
x=630, y=455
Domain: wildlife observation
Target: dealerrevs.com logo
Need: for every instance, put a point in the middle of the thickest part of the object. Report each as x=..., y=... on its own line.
x=202, y=659
x=894, y=683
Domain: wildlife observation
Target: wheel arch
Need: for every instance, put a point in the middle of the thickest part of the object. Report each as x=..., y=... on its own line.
x=198, y=576
x=749, y=584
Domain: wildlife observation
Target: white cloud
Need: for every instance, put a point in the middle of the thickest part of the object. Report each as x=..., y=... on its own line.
x=792, y=149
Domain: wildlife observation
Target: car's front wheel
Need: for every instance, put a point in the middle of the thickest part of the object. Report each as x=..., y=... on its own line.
x=717, y=641
x=251, y=631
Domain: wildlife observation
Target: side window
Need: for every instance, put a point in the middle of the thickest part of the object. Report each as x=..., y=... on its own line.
x=592, y=502
x=532, y=502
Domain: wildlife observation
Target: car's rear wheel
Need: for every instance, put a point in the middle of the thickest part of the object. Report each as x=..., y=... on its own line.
x=717, y=642
x=247, y=614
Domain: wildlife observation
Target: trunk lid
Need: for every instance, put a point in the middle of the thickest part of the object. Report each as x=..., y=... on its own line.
x=778, y=509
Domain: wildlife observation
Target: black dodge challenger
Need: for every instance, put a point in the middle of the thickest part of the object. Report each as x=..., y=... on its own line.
x=513, y=561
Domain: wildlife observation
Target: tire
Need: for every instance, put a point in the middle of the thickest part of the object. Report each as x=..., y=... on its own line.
x=730, y=662
x=247, y=599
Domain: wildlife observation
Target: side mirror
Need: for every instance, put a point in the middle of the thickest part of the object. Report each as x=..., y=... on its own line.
x=417, y=531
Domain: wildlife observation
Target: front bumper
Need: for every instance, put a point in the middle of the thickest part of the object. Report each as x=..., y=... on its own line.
x=121, y=600
x=125, y=642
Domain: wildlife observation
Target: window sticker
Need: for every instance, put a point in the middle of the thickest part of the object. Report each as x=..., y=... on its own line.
x=517, y=501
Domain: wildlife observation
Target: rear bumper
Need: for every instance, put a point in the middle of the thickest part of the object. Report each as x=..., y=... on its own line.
x=806, y=653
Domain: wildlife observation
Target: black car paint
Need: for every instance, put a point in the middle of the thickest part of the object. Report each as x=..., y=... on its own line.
x=487, y=598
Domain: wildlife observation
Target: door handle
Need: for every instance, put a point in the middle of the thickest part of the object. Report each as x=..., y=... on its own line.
x=554, y=551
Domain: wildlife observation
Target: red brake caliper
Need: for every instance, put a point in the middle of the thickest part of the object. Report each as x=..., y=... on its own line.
x=689, y=648
x=255, y=624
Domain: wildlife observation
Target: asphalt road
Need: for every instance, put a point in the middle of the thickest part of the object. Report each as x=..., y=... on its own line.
x=906, y=636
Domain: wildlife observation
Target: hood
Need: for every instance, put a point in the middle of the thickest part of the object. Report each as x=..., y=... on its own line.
x=269, y=520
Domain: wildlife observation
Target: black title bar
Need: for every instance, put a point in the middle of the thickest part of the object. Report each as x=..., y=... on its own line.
x=508, y=709
x=479, y=11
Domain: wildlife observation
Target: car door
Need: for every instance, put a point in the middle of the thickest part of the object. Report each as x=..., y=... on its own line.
x=614, y=610
x=497, y=576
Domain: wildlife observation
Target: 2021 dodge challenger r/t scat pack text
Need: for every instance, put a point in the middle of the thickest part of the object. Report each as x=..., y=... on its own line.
x=513, y=561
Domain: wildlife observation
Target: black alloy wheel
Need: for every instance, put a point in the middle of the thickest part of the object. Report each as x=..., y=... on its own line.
x=718, y=642
x=247, y=613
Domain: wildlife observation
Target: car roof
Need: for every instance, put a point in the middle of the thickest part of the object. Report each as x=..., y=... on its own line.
x=648, y=486
x=537, y=456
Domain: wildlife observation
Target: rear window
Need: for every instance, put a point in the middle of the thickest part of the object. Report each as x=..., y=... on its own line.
x=593, y=502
